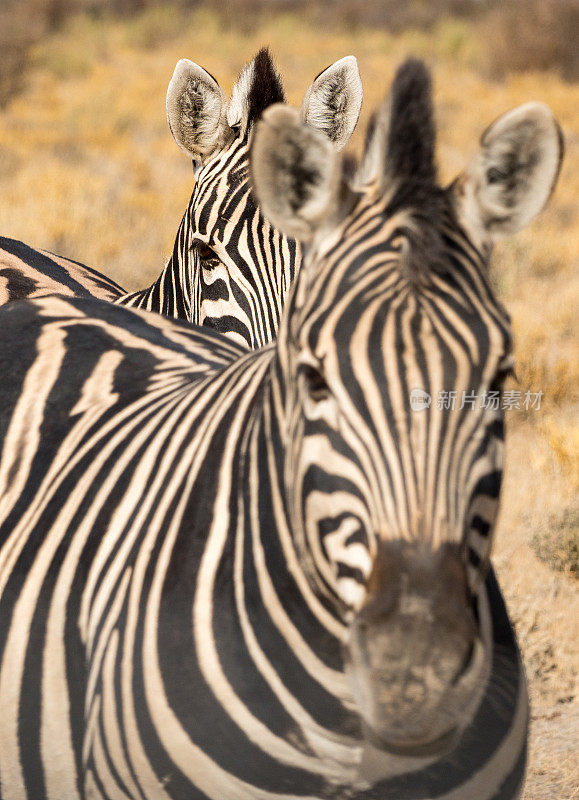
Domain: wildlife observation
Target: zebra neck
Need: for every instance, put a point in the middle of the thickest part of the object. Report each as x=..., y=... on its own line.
x=171, y=293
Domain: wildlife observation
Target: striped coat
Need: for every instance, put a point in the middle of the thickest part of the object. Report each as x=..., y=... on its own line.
x=27, y=273
x=157, y=646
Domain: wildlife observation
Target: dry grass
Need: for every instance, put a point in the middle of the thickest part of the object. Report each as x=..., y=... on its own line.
x=539, y=498
x=88, y=168
x=545, y=31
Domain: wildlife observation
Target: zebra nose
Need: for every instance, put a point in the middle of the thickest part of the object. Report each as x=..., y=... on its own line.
x=415, y=656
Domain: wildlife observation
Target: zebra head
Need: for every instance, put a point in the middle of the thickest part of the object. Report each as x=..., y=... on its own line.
x=392, y=509
x=238, y=267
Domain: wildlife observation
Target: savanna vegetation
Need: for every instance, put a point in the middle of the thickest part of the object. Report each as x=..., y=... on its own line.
x=88, y=169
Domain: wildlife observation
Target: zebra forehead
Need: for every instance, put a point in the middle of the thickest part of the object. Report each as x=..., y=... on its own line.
x=367, y=287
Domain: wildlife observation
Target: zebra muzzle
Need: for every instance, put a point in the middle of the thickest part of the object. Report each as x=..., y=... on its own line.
x=414, y=656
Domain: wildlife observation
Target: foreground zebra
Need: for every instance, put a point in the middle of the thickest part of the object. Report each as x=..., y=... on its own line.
x=230, y=269
x=241, y=575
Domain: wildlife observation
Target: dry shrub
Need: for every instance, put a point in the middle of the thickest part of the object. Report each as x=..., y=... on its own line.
x=396, y=16
x=511, y=36
x=23, y=23
x=517, y=35
x=527, y=35
x=19, y=29
x=558, y=546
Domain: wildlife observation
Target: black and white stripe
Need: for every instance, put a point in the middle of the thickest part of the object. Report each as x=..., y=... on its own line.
x=230, y=270
x=27, y=273
x=178, y=515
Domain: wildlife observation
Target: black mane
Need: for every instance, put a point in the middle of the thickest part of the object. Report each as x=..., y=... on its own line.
x=411, y=166
x=411, y=134
x=266, y=87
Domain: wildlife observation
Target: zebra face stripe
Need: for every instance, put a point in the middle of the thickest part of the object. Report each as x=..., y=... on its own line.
x=244, y=266
x=365, y=472
x=364, y=338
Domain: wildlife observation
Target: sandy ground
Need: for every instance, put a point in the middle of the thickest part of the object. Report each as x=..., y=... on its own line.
x=544, y=605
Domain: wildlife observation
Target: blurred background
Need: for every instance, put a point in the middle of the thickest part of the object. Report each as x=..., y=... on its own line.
x=88, y=169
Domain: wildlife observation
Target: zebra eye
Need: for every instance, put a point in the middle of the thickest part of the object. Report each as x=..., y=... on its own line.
x=206, y=254
x=314, y=383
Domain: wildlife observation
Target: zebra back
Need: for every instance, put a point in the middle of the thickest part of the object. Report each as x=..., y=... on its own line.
x=26, y=273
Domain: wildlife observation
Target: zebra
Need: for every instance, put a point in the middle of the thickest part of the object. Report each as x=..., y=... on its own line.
x=26, y=273
x=256, y=574
x=230, y=269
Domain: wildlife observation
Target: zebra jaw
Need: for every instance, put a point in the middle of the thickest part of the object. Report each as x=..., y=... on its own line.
x=416, y=655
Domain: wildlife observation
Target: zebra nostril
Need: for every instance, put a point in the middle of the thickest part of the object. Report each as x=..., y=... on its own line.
x=464, y=664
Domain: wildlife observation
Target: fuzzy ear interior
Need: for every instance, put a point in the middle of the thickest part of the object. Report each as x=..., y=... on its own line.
x=333, y=101
x=514, y=173
x=195, y=109
x=295, y=172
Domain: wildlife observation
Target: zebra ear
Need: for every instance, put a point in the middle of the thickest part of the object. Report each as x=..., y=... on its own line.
x=195, y=109
x=333, y=101
x=295, y=172
x=514, y=173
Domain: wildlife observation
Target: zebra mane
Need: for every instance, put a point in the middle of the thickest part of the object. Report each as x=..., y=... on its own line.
x=411, y=133
x=266, y=86
x=404, y=130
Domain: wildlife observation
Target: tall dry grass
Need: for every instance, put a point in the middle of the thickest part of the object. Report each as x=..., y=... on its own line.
x=88, y=168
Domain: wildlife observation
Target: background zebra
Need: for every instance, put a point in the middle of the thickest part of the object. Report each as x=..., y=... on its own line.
x=232, y=574
x=26, y=273
x=230, y=270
